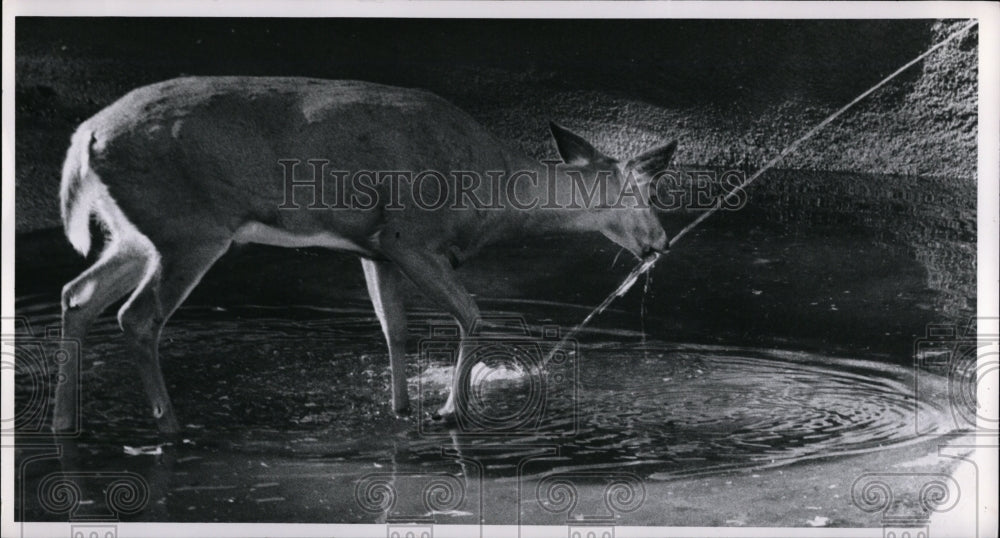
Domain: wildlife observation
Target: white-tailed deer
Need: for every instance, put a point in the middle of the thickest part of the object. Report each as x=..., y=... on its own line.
x=178, y=171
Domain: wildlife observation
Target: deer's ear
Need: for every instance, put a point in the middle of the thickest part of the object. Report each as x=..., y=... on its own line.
x=654, y=160
x=572, y=148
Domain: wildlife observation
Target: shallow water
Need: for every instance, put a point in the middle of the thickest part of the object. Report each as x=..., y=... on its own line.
x=285, y=413
x=772, y=335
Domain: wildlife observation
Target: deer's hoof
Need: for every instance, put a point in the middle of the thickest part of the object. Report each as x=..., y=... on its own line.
x=62, y=424
x=168, y=426
x=444, y=418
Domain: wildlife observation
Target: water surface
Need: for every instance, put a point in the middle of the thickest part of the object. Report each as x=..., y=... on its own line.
x=285, y=414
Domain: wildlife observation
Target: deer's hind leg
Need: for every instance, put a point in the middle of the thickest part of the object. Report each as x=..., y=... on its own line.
x=117, y=272
x=174, y=272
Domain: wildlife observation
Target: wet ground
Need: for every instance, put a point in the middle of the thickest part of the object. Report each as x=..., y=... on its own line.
x=772, y=350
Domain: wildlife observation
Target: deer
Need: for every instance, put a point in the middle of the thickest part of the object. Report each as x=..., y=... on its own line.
x=176, y=172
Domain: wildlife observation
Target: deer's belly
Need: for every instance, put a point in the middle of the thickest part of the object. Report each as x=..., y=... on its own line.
x=255, y=232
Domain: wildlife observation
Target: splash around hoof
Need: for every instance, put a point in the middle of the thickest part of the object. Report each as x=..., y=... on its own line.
x=443, y=418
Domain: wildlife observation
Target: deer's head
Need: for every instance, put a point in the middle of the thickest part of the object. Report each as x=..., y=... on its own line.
x=622, y=210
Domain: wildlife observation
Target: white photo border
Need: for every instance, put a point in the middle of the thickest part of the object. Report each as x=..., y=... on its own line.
x=988, y=172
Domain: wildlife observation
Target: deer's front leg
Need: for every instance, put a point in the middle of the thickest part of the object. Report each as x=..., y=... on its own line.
x=385, y=289
x=434, y=276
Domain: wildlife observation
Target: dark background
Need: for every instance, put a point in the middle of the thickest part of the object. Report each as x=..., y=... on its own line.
x=667, y=62
x=734, y=92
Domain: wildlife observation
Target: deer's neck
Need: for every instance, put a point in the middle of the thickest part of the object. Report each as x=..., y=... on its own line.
x=540, y=199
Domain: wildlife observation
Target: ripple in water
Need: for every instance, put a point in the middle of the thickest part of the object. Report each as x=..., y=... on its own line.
x=312, y=385
x=671, y=410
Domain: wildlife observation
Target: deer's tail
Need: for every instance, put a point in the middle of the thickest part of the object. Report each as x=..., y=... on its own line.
x=79, y=191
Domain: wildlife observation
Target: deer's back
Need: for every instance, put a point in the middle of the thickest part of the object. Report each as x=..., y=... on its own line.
x=354, y=121
x=212, y=145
